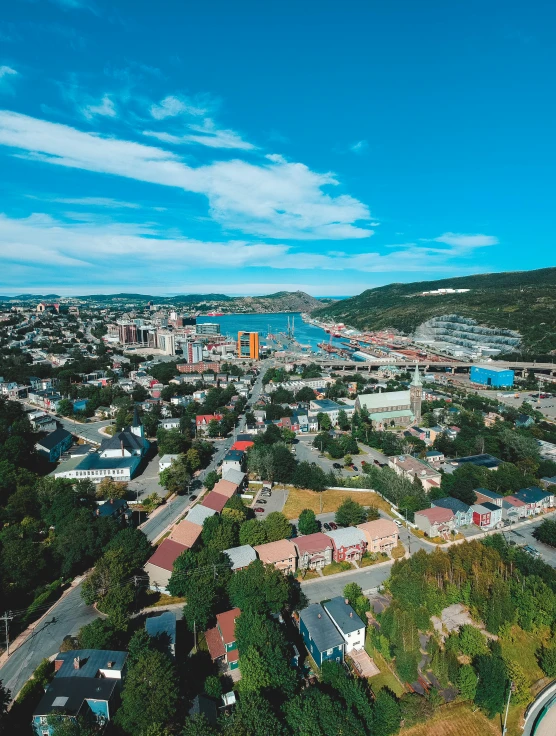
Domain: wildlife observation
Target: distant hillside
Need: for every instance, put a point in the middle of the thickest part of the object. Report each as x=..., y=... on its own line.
x=282, y=301
x=524, y=301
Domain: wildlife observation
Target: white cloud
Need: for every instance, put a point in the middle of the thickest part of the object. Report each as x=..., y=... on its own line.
x=172, y=106
x=461, y=240
x=7, y=74
x=97, y=202
x=104, y=108
x=206, y=134
x=359, y=147
x=274, y=199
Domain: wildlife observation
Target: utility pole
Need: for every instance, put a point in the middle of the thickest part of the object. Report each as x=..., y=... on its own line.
x=8, y=616
x=195, y=637
x=505, y=728
x=408, y=533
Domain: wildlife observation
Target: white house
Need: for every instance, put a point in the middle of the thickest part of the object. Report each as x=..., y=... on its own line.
x=348, y=623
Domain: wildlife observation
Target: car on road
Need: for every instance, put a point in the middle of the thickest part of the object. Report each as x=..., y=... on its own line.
x=262, y=500
x=192, y=498
x=397, y=522
x=258, y=510
x=532, y=551
x=327, y=526
x=337, y=466
x=333, y=525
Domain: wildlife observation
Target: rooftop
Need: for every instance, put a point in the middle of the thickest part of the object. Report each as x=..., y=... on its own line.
x=322, y=630
x=215, y=501
x=234, y=456
x=241, y=556
x=226, y=487
x=234, y=476
x=163, y=625
x=378, y=528
x=454, y=504
x=437, y=515
x=226, y=622
x=53, y=439
x=166, y=554
x=67, y=694
x=483, y=461
x=386, y=399
x=275, y=551
x=199, y=513
x=312, y=543
x=343, y=615
x=186, y=533
x=90, y=662
x=347, y=537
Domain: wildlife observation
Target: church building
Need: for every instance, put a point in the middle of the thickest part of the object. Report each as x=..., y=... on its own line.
x=394, y=408
x=119, y=457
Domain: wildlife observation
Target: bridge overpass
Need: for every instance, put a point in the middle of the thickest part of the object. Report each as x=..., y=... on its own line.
x=350, y=365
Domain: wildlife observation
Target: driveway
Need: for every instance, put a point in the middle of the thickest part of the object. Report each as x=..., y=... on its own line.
x=147, y=483
x=275, y=503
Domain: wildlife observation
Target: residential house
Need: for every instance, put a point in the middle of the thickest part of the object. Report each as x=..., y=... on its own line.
x=242, y=445
x=281, y=554
x=186, y=533
x=483, y=494
x=322, y=639
x=435, y=522
x=314, y=551
x=535, y=499
x=411, y=467
x=523, y=421
x=215, y=501
x=42, y=422
x=491, y=418
x=548, y=481
x=226, y=487
x=233, y=460
x=163, y=628
x=381, y=535
x=463, y=516
x=86, y=685
x=114, y=508
x=221, y=640
x=198, y=514
x=330, y=408
x=202, y=422
x=238, y=477
x=349, y=544
x=160, y=565
x=241, y=557
x=170, y=423
x=165, y=462
x=434, y=457
x=513, y=509
x=486, y=515
x=348, y=623
x=54, y=444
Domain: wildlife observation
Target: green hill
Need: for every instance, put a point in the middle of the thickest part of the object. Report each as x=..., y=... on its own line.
x=524, y=301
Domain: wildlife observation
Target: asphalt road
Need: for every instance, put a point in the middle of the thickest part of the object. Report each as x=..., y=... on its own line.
x=321, y=589
x=71, y=613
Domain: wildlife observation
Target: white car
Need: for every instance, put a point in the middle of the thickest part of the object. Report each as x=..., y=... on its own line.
x=397, y=522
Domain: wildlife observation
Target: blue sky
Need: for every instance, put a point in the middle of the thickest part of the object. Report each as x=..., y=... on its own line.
x=247, y=147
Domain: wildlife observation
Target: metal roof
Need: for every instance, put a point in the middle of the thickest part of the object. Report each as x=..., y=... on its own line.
x=241, y=556
x=343, y=615
x=199, y=513
x=53, y=439
x=322, y=630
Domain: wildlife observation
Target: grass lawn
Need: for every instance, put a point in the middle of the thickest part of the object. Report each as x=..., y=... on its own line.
x=306, y=574
x=299, y=499
x=520, y=647
x=455, y=719
x=398, y=551
x=367, y=560
x=385, y=678
x=335, y=567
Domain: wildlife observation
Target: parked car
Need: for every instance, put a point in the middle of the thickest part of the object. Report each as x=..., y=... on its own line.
x=531, y=551
x=327, y=527
x=258, y=510
x=192, y=498
x=337, y=466
x=354, y=467
x=262, y=500
x=397, y=522
x=333, y=525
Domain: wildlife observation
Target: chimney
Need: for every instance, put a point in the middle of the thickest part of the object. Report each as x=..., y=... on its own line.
x=346, y=601
x=319, y=616
x=122, y=446
x=351, y=614
x=76, y=663
x=57, y=664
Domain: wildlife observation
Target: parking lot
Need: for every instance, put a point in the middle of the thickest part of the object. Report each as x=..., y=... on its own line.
x=276, y=502
x=523, y=536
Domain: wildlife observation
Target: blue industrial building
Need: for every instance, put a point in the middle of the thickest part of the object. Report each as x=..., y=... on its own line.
x=491, y=376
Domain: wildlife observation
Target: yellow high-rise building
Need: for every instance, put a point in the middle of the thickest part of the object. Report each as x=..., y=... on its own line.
x=248, y=345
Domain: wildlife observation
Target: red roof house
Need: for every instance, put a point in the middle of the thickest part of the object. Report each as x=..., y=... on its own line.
x=215, y=501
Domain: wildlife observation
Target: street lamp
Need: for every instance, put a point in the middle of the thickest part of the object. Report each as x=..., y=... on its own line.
x=511, y=690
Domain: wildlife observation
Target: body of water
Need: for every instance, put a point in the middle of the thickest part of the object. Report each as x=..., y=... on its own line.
x=273, y=323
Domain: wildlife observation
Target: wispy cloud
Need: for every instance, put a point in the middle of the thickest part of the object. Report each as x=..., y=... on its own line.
x=172, y=106
x=105, y=108
x=7, y=75
x=359, y=147
x=461, y=240
x=274, y=199
x=97, y=202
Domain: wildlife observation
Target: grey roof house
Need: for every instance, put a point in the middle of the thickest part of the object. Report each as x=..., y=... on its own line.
x=348, y=623
x=241, y=557
x=462, y=512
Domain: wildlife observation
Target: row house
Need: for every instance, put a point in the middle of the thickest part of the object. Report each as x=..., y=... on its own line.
x=347, y=622
x=513, y=509
x=349, y=544
x=484, y=495
x=435, y=522
x=314, y=551
x=281, y=554
x=381, y=535
x=463, y=516
x=202, y=422
x=487, y=515
x=320, y=636
x=221, y=641
x=535, y=499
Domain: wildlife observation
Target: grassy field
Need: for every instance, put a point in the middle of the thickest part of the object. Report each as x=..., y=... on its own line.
x=385, y=678
x=520, y=647
x=454, y=720
x=335, y=567
x=299, y=499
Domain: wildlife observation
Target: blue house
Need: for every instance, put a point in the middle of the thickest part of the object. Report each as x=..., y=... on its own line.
x=489, y=375
x=462, y=512
x=87, y=684
x=320, y=636
x=524, y=421
x=54, y=444
x=80, y=404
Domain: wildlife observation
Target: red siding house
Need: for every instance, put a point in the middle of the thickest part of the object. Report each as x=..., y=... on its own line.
x=349, y=544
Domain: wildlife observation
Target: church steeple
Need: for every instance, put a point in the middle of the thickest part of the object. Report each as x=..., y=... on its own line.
x=416, y=394
x=136, y=424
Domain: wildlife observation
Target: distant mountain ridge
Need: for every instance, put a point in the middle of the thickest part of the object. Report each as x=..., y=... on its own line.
x=524, y=301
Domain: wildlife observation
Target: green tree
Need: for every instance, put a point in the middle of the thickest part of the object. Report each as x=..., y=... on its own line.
x=491, y=688
x=277, y=526
x=211, y=479
x=253, y=716
x=213, y=687
x=547, y=660
x=149, y=695
x=253, y=532
x=213, y=429
x=308, y=523
x=387, y=713
x=254, y=671
x=65, y=408
x=5, y=699
x=99, y=634
x=198, y=725
x=259, y=587
x=471, y=641
x=343, y=421
x=177, y=477
x=350, y=513
x=323, y=421
x=415, y=709
x=467, y=682
x=139, y=644
x=220, y=532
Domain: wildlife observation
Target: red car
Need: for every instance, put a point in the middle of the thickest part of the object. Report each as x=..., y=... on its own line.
x=258, y=510
x=333, y=525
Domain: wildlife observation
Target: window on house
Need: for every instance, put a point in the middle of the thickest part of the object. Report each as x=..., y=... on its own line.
x=329, y=652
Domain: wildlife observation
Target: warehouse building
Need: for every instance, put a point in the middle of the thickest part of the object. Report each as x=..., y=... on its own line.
x=488, y=375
